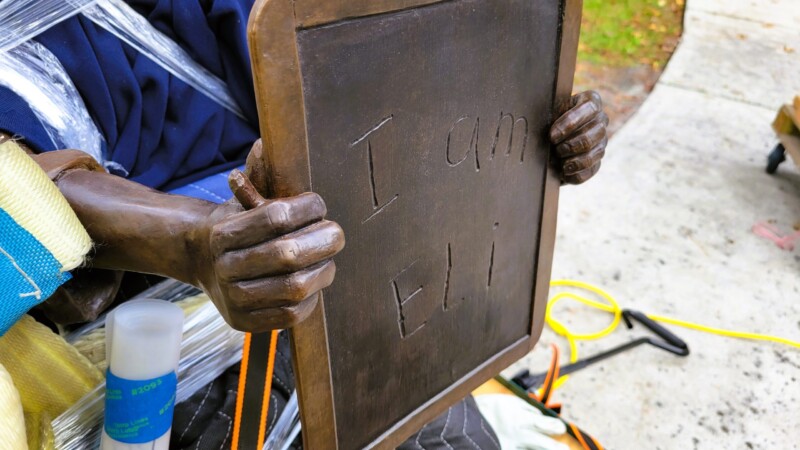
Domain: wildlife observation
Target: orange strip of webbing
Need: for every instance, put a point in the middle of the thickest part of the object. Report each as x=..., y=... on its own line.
x=579, y=437
x=237, y=418
x=552, y=375
x=262, y=428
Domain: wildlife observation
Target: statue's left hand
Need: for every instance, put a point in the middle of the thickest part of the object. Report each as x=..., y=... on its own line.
x=580, y=137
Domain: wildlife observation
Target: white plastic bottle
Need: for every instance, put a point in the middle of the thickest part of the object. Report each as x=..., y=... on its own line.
x=143, y=339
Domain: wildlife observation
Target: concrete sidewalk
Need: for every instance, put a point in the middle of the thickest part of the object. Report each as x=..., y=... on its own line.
x=666, y=228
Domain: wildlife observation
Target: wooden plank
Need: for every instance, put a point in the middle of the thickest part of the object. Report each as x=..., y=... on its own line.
x=791, y=143
x=796, y=108
x=570, y=19
x=425, y=129
x=785, y=121
x=281, y=113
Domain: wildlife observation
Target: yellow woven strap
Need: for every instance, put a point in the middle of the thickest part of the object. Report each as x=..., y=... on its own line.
x=34, y=202
x=12, y=424
x=49, y=374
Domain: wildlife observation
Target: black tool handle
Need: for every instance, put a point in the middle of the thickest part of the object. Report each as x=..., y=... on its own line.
x=677, y=345
x=528, y=380
x=670, y=343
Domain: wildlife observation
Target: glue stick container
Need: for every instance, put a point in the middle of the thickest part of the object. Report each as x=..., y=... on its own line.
x=143, y=343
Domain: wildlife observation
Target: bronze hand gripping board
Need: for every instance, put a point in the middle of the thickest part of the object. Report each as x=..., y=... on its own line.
x=423, y=124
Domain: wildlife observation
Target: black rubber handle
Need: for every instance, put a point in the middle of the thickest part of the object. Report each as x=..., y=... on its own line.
x=681, y=348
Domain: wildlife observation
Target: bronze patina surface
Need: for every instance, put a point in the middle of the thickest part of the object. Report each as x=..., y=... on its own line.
x=426, y=127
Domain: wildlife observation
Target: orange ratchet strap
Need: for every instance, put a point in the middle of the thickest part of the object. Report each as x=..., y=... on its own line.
x=255, y=384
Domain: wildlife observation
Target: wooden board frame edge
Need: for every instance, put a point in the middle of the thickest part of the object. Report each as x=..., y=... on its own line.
x=281, y=114
x=569, y=31
x=281, y=110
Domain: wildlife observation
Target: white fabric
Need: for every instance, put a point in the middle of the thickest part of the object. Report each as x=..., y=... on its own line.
x=518, y=425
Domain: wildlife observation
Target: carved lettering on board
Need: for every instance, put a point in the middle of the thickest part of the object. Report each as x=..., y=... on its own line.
x=405, y=324
x=463, y=141
x=377, y=207
x=511, y=136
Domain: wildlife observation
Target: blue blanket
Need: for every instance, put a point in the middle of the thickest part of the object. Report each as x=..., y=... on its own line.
x=163, y=132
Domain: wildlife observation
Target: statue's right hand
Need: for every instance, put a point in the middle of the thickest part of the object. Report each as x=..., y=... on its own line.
x=269, y=258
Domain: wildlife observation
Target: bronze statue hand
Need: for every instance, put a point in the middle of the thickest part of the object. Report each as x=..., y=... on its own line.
x=267, y=258
x=261, y=261
x=580, y=137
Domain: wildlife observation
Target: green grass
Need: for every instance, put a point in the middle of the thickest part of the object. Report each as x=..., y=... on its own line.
x=621, y=33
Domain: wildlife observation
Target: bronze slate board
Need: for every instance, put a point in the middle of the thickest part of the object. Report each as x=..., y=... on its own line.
x=425, y=130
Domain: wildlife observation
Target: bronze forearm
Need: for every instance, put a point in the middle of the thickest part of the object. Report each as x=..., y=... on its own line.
x=136, y=228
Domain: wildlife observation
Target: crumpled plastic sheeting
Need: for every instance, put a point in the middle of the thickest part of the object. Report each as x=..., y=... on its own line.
x=21, y=20
x=210, y=346
x=49, y=373
x=167, y=128
x=36, y=75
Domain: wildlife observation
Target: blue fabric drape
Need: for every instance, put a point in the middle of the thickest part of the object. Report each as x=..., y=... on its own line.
x=163, y=132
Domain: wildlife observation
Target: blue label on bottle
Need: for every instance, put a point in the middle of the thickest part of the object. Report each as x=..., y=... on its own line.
x=139, y=411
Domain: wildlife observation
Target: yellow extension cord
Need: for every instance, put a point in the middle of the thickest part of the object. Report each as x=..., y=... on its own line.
x=613, y=307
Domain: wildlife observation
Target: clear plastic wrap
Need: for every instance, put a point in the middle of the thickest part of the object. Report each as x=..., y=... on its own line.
x=21, y=20
x=209, y=347
x=286, y=428
x=37, y=76
x=168, y=290
x=131, y=27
